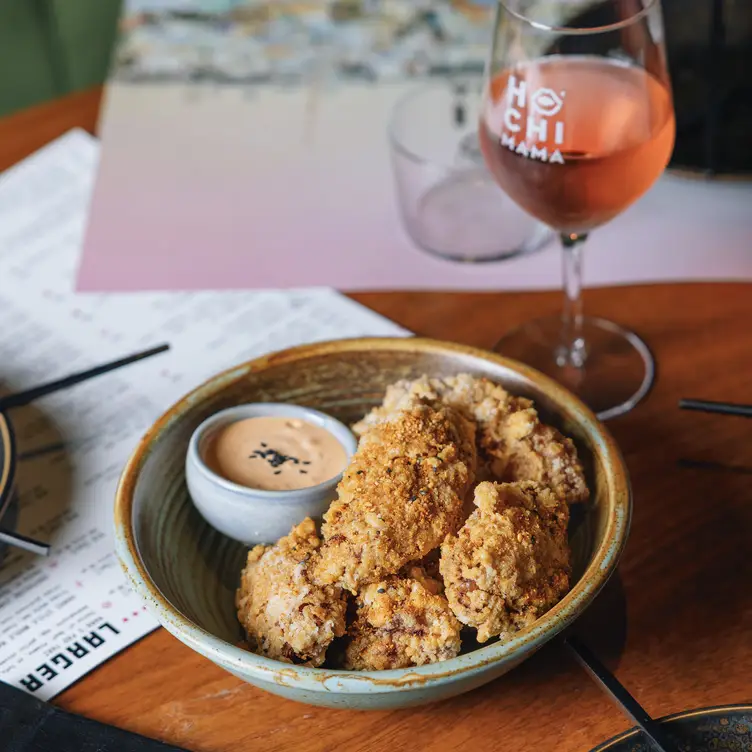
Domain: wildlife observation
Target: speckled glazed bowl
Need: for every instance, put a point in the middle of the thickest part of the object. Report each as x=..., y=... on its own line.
x=187, y=572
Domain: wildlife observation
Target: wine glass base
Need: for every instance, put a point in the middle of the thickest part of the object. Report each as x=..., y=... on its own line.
x=618, y=372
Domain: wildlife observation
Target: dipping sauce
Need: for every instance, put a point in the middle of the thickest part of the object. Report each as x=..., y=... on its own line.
x=275, y=454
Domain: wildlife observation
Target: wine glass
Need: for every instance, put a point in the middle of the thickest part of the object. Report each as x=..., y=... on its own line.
x=577, y=123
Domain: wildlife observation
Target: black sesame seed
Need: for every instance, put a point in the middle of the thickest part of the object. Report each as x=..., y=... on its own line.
x=278, y=472
x=306, y=463
x=303, y=472
x=264, y=445
x=381, y=590
x=413, y=498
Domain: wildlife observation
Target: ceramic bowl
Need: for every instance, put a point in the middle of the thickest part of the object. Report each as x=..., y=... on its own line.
x=187, y=572
x=250, y=515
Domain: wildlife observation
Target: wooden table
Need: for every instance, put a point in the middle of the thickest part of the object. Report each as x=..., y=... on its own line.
x=675, y=625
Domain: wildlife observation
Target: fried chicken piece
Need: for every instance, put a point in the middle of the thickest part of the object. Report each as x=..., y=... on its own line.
x=400, y=624
x=399, y=498
x=286, y=615
x=532, y=451
x=478, y=399
x=513, y=444
x=509, y=563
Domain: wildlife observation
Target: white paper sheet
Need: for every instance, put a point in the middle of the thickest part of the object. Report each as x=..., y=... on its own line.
x=62, y=616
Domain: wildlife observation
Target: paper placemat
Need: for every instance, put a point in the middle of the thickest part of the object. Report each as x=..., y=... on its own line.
x=62, y=616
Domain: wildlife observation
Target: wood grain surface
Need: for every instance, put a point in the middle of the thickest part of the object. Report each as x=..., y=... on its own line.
x=675, y=625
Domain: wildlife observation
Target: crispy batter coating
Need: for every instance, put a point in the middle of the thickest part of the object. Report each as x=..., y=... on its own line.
x=531, y=450
x=426, y=552
x=400, y=624
x=286, y=615
x=514, y=445
x=401, y=495
x=509, y=563
x=479, y=399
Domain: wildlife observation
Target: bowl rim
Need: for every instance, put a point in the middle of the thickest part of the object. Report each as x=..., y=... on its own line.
x=8, y=468
x=266, y=670
x=247, y=493
x=668, y=720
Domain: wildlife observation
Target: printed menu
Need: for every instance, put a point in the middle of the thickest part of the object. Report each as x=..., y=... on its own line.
x=62, y=615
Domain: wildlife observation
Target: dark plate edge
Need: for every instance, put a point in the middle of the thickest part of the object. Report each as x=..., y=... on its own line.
x=8, y=448
x=668, y=719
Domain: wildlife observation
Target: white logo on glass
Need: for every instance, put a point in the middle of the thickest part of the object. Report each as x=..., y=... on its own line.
x=546, y=102
x=543, y=105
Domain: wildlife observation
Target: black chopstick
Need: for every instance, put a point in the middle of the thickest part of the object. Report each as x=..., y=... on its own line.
x=24, y=398
x=22, y=541
x=718, y=467
x=628, y=705
x=722, y=408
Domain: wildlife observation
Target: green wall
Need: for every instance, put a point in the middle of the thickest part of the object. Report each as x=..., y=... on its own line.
x=52, y=47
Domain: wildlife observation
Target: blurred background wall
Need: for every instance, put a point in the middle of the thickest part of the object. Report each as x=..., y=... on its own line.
x=52, y=47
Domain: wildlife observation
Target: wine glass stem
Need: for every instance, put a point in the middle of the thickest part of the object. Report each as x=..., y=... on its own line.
x=572, y=351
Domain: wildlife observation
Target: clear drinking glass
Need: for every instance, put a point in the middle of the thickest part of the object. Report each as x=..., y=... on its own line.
x=450, y=203
x=577, y=123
